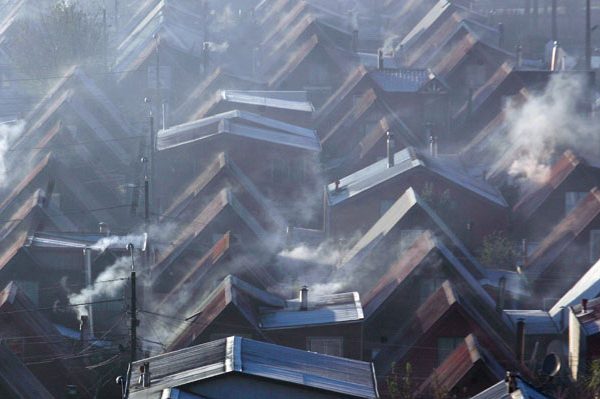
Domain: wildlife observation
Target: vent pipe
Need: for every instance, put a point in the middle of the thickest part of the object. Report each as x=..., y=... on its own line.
x=501, y=294
x=87, y=260
x=584, y=303
x=103, y=228
x=519, y=52
x=304, y=298
x=520, y=347
x=554, y=57
x=390, y=144
x=554, y=21
x=380, y=59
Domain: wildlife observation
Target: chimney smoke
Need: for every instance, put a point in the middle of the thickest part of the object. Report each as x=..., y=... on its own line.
x=390, y=148
x=304, y=298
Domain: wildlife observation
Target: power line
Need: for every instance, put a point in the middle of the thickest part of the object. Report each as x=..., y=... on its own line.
x=53, y=307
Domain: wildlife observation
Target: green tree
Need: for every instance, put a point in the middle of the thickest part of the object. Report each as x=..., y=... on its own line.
x=400, y=382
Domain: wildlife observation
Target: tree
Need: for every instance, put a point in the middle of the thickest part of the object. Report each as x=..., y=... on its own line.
x=64, y=35
x=399, y=382
x=498, y=251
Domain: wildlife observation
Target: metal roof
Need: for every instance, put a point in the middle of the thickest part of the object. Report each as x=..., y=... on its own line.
x=239, y=123
x=404, y=161
x=325, y=309
x=590, y=319
x=258, y=359
x=401, y=80
x=588, y=286
x=537, y=322
x=290, y=100
x=500, y=391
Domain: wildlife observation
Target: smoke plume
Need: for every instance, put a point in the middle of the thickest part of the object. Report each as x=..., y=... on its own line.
x=9, y=131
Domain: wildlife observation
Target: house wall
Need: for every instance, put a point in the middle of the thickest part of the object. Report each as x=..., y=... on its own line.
x=247, y=387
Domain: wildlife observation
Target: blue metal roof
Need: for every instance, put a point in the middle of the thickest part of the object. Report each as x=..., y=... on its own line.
x=253, y=358
x=290, y=100
x=239, y=123
x=401, y=80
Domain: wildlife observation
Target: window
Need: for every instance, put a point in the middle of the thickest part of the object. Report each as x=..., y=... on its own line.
x=325, y=345
x=428, y=286
x=445, y=346
x=594, y=246
x=572, y=198
x=31, y=289
x=408, y=237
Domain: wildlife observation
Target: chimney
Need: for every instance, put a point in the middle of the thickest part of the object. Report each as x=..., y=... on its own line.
x=304, y=298
x=390, y=148
x=519, y=53
x=433, y=145
x=337, y=185
x=501, y=294
x=584, y=303
x=205, y=57
x=355, y=40
x=511, y=382
x=144, y=379
x=554, y=21
x=380, y=59
x=83, y=330
x=554, y=57
x=87, y=260
x=500, y=34
x=103, y=228
x=520, y=347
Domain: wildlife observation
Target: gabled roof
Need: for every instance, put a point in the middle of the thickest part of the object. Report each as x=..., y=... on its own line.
x=410, y=200
x=405, y=161
x=559, y=172
x=173, y=24
x=425, y=250
x=322, y=310
x=563, y=234
x=427, y=318
x=16, y=380
x=231, y=291
x=468, y=356
x=224, y=172
x=255, y=359
x=587, y=287
x=242, y=124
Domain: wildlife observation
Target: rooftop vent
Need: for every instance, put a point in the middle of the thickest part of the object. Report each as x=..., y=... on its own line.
x=304, y=298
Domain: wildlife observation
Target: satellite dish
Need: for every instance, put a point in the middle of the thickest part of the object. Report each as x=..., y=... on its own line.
x=551, y=365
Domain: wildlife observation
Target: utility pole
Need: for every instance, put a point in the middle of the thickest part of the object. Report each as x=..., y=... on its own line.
x=588, y=36
x=133, y=309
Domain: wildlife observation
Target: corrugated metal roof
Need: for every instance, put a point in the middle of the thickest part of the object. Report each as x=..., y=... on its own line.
x=253, y=358
x=588, y=287
x=239, y=123
x=404, y=161
x=290, y=100
x=500, y=391
x=537, y=322
x=326, y=309
x=401, y=80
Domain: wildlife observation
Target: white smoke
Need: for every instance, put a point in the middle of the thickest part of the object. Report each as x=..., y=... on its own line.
x=325, y=253
x=119, y=242
x=218, y=47
x=545, y=123
x=107, y=285
x=9, y=131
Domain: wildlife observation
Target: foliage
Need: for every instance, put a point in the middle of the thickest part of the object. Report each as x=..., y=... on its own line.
x=399, y=382
x=63, y=35
x=498, y=251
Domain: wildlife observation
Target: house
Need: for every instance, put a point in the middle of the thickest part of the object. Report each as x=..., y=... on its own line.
x=244, y=368
x=325, y=323
x=569, y=179
x=163, y=52
x=371, y=191
x=16, y=381
x=566, y=252
x=276, y=156
x=30, y=336
x=436, y=332
x=394, y=290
